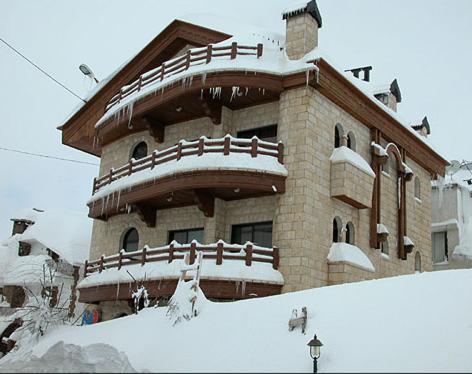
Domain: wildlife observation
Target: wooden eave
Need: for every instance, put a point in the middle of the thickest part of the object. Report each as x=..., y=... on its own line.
x=337, y=88
x=79, y=130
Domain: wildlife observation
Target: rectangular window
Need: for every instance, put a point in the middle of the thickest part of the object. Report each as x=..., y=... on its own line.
x=439, y=247
x=186, y=236
x=257, y=233
x=266, y=133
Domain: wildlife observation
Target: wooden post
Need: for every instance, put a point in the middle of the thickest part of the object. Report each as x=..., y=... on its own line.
x=179, y=151
x=171, y=252
x=140, y=82
x=163, y=68
x=209, y=53
x=234, y=50
x=254, y=144
x=259, y=50
x=143, y=257
x=100, y=269
x=94, y=188
x=275, y=257
x=219, y=253
x=130, y=167
x=193, y=247
x=248, y=250
x=201, y=145
x=153, y=159
x=187, y=60
x=226, y=145
x=280, y=153
x=110, y=176
x=85, y=268
x=120, y=260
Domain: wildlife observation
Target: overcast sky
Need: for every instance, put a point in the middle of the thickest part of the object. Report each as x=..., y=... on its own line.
x=425, y=44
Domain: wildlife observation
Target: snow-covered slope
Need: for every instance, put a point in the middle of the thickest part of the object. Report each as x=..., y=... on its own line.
x=419, y=322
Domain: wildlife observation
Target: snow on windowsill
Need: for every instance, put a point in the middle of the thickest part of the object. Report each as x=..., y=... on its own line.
x=344, y=252
x=230, y=270
x=345, y=154
x=382, y=229
x=418, y=200
x=384, y=256
x=207, y=161
x=385, y=174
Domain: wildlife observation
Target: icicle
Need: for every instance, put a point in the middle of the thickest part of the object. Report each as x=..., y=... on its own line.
x=274, y=188
x=263, y=91
x=307, y=75
x=118, y=202
x=130, y=110
x=201, y=93
x=190, y=81
x=243, y=288
x=247, y=90
x=204, y=77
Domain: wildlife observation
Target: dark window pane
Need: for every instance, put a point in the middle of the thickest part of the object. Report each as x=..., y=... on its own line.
x=131, y=240
x=195, y=235
x=257, y=233
x=267, y=133
x=140, y=151
x=263, y=235
x=186, y=236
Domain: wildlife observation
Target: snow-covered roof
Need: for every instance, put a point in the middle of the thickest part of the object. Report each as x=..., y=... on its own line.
x=344, y=252
x=345, y=154
x=26, y=215
x=65, y=232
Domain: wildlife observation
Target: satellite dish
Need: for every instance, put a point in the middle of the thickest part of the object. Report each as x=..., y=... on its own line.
x=453, y=168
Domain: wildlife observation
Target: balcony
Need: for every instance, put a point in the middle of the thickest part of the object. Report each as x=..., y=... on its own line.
x=352, y=179
x=190, y=173
x=229, y=271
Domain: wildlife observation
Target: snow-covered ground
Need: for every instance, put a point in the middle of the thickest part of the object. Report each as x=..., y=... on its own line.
x=420, y=322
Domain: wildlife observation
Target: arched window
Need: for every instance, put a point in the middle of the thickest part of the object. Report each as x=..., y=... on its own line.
x=140, y=150
x=351, y=141
x=350, y=234
x=337, y=226
x=417, y=188
x=417, y=262
x=338, y=135
x=130, y=240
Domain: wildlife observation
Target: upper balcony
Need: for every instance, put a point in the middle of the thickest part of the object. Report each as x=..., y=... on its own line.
x=189, y=173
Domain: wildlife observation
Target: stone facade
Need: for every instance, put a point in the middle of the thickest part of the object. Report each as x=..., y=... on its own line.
x=302, y=35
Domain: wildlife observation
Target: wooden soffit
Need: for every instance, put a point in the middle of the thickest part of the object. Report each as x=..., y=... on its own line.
x=345, y=94
x=78, y=131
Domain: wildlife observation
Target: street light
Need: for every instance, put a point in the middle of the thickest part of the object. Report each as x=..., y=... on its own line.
x=315, y=353
x=88, y=72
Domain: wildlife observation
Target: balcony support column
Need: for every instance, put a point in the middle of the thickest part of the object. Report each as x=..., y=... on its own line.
x=215, y=226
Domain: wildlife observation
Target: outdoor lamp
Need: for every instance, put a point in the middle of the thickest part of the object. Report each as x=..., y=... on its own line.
x=315, y=353
x=88, y=72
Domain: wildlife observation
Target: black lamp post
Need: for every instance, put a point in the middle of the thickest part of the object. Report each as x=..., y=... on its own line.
x=315, y=353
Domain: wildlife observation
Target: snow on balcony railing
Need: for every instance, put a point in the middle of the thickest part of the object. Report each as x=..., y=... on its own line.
x=225, y=146
x=196, y=56
x=219, y=252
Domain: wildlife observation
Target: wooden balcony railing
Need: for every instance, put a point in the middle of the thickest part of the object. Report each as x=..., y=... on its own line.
x=219, y=251
x=225, y=146
x=177, y=65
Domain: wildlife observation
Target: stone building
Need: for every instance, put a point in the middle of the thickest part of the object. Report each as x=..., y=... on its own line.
x=255, y=149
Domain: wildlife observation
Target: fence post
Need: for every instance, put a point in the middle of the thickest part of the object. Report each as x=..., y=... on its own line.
x=94, y=188
x=259, y=50
x=226, y=145
x=120, y=260
x=153, y=159
x=163, y=68
x=193, y=247
x=275, y=257
x=100, y=269
x=201, y=145
x=171, y=252
x=254, y=144
x=248, y=250
x=187, y=60
x=110, y=176
x=85, y=268
x=130, y=167
x=280, y=153
x=179, y=151
x=209, y=53
x=234, y=50
x=140, y=82
x=219, y=253
x=143, y=257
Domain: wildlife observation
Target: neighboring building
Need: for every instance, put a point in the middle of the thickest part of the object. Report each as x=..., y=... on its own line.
x=42, y=240
x=315, y=172
x=452, y=219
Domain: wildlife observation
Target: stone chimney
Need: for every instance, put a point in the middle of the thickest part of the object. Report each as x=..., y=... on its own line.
x=302, y=24
x=391, y=96
x=423, y=128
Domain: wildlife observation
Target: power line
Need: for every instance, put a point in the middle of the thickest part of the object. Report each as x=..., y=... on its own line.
x=41, y=70
x=47, y=156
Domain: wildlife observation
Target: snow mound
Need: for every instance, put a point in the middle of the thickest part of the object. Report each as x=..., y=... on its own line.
x=344, y=154
x=344, y=252
x=67, y=358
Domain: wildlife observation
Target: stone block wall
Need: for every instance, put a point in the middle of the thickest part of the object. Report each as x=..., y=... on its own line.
x=301, y=35
x=342, y=272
